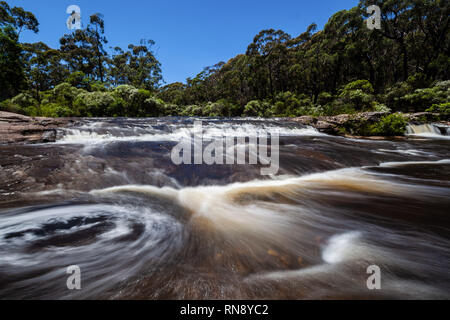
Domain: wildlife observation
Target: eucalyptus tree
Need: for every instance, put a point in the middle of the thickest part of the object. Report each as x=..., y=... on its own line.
x=268, y=54
x=43, y=67
x=83, y=50
x=12, y=22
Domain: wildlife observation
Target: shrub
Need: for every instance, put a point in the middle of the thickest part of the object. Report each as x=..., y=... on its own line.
x=94, y=104
x=171, y=110
x=381, y=108
x=220, y=108
x=325, y=98
x=152, y=107
x=418, y=81
x=393, y=97
x=24, y=100
x=391, y=125
x=137, y=102
x=64, y=94
x=443, y=108
x=79, y=80
x=55, y=110
x=8, y=106
x=257, y=108
x=23, y=103
x=358, y=94
x=192, y=111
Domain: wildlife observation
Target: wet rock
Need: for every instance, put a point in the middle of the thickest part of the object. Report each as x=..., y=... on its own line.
x=16, y=128
x=49, y=136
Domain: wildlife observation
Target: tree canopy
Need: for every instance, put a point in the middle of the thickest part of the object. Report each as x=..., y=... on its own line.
x=344, y=68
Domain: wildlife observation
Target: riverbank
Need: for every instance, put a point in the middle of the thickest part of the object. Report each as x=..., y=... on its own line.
x=355, y=125
x=16, y=128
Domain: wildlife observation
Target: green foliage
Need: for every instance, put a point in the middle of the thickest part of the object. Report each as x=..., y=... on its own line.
x=24, y=100
x=394, y=96
x=64, y=94
x=221, y=108
x=95, y=104
x=381, y=108
x=55, y=110
x=418, y=80
x=192, y=111
x=422, y=99
x=8, y=106
x=12, y=76
x=358, y=95
x=288, y=104
x=79, y=80
x=391, y=125
x=312, y=73
x=257, y=108
x=443, y=108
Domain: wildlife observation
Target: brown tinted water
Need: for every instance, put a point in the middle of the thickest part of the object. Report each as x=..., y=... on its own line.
x=108, y=198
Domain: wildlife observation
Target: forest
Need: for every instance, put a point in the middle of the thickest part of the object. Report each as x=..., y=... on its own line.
x=343, y=69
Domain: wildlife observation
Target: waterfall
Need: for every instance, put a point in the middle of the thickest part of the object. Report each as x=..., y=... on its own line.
x=427, y=130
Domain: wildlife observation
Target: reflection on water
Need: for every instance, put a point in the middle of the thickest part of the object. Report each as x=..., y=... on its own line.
x=107, y=198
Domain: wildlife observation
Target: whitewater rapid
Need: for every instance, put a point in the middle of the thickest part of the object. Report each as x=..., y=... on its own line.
x=107, y=198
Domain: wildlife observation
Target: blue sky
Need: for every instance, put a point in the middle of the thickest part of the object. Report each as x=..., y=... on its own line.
x=189, y=35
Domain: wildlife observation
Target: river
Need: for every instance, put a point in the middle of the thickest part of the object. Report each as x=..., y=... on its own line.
x=107, y=197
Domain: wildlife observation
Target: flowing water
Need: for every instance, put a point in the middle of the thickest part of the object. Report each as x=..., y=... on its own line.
x=107, y=198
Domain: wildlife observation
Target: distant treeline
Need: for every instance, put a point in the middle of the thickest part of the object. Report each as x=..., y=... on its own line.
x=344, y=68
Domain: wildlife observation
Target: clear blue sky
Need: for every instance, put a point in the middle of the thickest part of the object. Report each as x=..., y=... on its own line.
x=189, y=34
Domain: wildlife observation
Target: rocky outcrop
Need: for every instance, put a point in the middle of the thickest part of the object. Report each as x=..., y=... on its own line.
x=16, y=128
x=342, y=124
x=334, y=125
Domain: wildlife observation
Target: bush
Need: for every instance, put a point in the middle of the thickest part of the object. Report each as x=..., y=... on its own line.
x=171, y=110
x=418, y=81
x=325, y=98
x=23, y=103
x=24, y=100
x=443, y=108
x=221, y=108
x=95, y=104
x=192, y=111
x=391, y=125
x=55, y=110
x=79, y=80
x=381, y=108
x=257, y=108
x=393, y=97
x=336, y=107
x=358, y=95
x=132, y=102
x=152, y=107
x=64, y=94
x=8, y=106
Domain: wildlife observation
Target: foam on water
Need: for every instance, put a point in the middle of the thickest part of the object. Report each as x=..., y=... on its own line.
x=90, y=135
